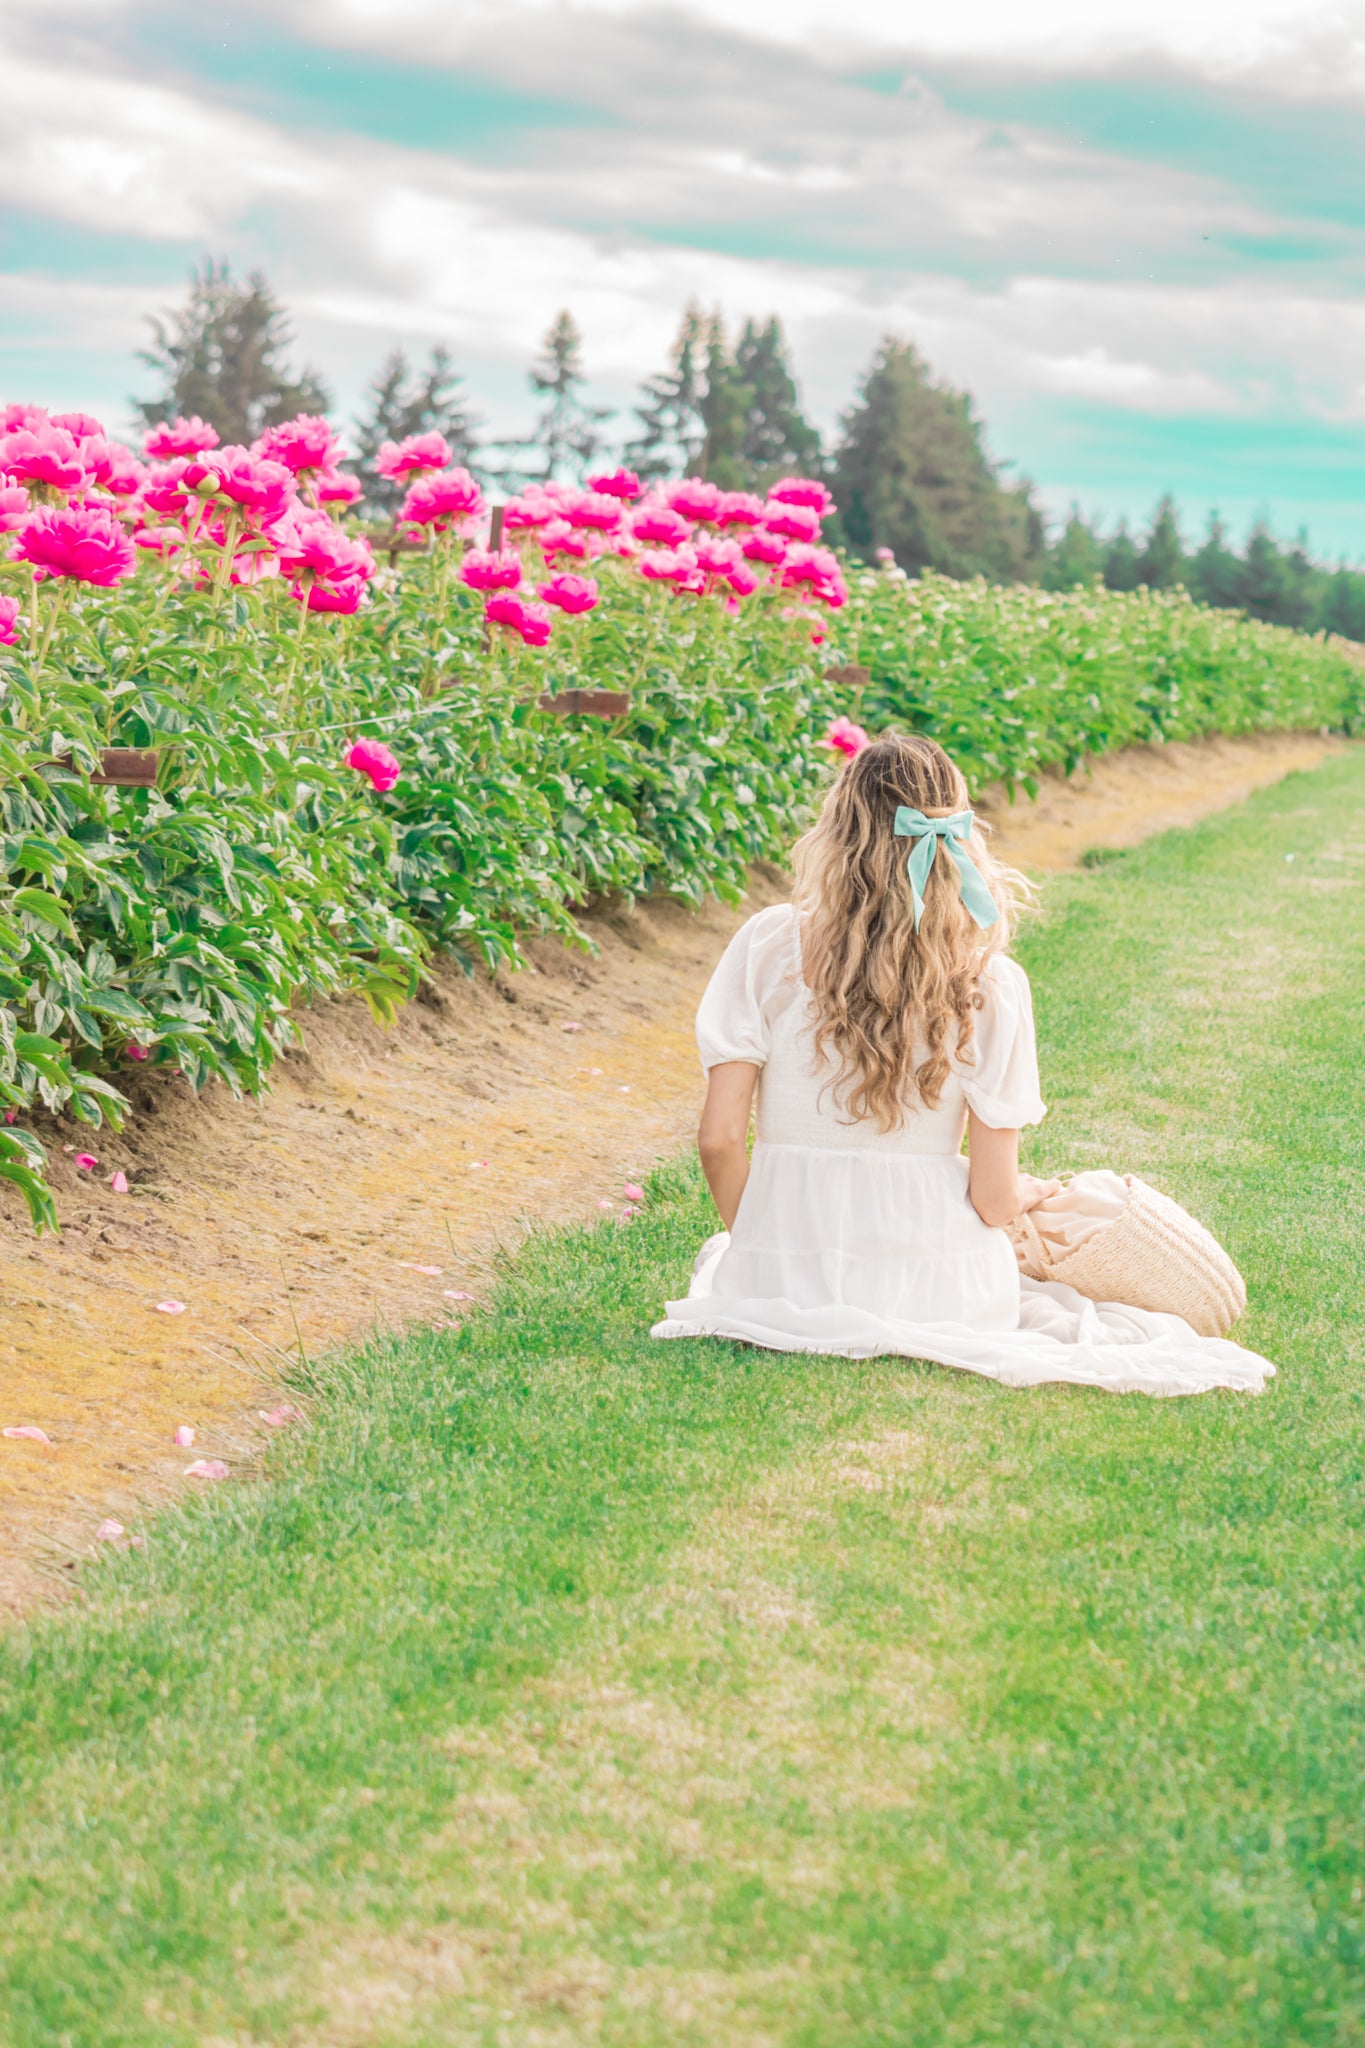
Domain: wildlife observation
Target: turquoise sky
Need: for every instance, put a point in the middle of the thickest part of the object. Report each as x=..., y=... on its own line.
x=1146, y=258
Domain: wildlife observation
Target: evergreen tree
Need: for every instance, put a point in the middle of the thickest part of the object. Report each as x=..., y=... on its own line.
x=1215, y=573
x=1343, y=604
x=724, y=406
x=672, y=426
x=222, y=356
x=912, y=475
x=1077, y=558
x=1121, y=561
x=1161, y=564
x=567, y=436
x=1263, y=582
x=1303, y=587
x=778, y=439
x=404, y=401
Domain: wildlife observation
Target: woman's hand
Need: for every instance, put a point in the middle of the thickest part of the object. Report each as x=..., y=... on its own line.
x=1032, y=1191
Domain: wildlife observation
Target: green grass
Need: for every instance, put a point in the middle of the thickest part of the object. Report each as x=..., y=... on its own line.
x=563, y=1688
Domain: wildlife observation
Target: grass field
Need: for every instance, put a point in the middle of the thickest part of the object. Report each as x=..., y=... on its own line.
x=560, y=1688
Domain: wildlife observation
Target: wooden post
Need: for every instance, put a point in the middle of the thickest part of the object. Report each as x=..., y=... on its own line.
x=125, y=767
x=495, y=529
x=592, y=703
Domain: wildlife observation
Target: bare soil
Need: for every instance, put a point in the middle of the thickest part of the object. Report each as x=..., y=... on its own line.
x=385, y=1169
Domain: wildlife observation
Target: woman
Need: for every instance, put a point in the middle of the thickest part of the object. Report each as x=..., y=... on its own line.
x=880, y=1019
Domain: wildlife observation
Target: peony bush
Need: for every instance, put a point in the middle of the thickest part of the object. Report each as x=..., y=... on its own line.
x=354, y=761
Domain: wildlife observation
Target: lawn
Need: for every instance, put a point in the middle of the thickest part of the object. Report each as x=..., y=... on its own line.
x=555, y=1688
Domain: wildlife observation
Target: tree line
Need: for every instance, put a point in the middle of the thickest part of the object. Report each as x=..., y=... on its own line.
x=909, y=469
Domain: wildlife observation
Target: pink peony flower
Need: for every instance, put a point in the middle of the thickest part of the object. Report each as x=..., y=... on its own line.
x=14, y=416
x=762, y=546
x=123, y=475
x=673, y=565
x=570, y=593
x=533, y=508
x=180, y=437
x=694, y=498
x=15, y=505
x=659, y=526
x=793, y=522
x=742, y=580
x=44, y=454
x=339, y=487
x=83, y=425
x=372, y=758
x=846, y=737
x=484, y=571
x=526, y=620
x=419, y=452
x=84, y=542
x=439, y=500
x=618, y=483
x=801, y=490
x=597, y=510
x=345, y=597
x=137, y=1052
x=717, y=556
x=313, y=549
x=259, y=488
x=9, y=621
x=161, y=540
x=165, y=491
x=802, y=564
x=559, y=538
x=738, y=508
x=303, y=445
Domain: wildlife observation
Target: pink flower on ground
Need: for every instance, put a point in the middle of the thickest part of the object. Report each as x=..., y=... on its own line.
x=633, y=1192
x=32, y=1434
x=280, y=1418
x=137, y=1052
x=739, y=508
x=303, y=445
x=259, y=488
x=455, y=1294
x=532, y=624
x=84, y=542
x=571, y=1027
x=482, y=570
x=109, y=1532
x=11, y=1116
x=372, y=758
x=345, y=597
x=846, y=737
x=9, y=620
x=85, y=1162
x=44, y=454
x=617, y=483
x=762, y=546
x=570, y=593
x=119, y=1182
x=801, y=490
x=184, y=1437
x=170, y=1308
x=180, y=437
x=660, y=527
x=418, y=452
x=438, y=500
x=793, y=522
x=339, y=488
x=597, y=510
x=206, y=1468
x=15, y=505
x=694, y=498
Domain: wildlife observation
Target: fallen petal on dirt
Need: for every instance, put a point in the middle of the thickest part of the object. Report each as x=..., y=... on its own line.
x=109, y=1532
x=280, y=1418
x=86, y=1161
x=184, y=1437
x=27, y=1430
x=571, y=1027
x=119, y=1182
x=170, y=1308
x=206, y=1468
x=455, y=1294
x=633, y=1192
x=413, y=1267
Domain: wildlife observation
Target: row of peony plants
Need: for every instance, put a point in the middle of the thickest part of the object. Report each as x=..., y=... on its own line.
x=354, y=761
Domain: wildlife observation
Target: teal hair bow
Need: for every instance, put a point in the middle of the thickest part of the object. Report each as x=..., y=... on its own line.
x=926, y=833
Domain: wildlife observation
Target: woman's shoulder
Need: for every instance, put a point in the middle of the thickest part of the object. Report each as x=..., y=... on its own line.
x=1004, y=979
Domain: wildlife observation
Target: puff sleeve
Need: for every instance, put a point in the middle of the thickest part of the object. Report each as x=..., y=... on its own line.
x=1001, y=1082
x=756, y=973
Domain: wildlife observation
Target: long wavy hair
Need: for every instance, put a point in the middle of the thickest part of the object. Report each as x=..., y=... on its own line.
x=893, y=1006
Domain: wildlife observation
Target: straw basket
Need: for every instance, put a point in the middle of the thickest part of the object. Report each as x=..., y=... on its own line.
x=1153, y=1255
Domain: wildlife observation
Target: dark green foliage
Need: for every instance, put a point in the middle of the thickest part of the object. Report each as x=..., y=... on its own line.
x=911, y=474
x=404, y=401
x=1215, y=572
x=221, y=356
x=1121, y=561
x=724, y=406
x=778, y=439
x=1076, y=559
x=672, y=431
x=567, y=436
x=1161, y=565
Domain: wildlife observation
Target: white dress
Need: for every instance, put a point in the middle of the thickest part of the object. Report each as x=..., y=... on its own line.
x=861, y=1242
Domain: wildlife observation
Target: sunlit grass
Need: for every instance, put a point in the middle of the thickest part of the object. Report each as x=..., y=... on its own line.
x=560, y=1687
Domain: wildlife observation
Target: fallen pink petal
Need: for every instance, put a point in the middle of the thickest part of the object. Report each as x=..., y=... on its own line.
x=280, y=1418
x=119, y=1183
x=33, y=1435
x=184, y=1437
x=413, y=1267
x=206, y=1468
x=571, y=1027
x=633, y=1192
x=170, y=1308
x=455, y=1294
x=86, y=1161
x=109, y=1532
x=477, y=1162
x=605, y=1204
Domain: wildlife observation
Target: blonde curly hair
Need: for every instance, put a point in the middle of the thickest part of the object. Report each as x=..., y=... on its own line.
x=893, y=1006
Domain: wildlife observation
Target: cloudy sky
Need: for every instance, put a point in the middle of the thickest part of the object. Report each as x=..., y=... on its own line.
x=1141, y=246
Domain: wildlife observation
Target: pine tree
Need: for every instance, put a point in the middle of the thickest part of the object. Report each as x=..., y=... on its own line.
x=402, y=402
x=1263, y=580
x=221, y=356
x=1303, y=587
x=1121, y=561
x=778, y=439
x=1161, y=564
x=1215, y=572
x=567, y=436
x=1343, y=604
x=672, y=432
x=911, y=474
x=1077, y=557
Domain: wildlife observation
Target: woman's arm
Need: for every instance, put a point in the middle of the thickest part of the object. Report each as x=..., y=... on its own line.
x=723, y=1137
x=998, y=1190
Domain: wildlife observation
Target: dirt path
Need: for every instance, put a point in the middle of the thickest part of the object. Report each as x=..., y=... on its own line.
x=386, y=1167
